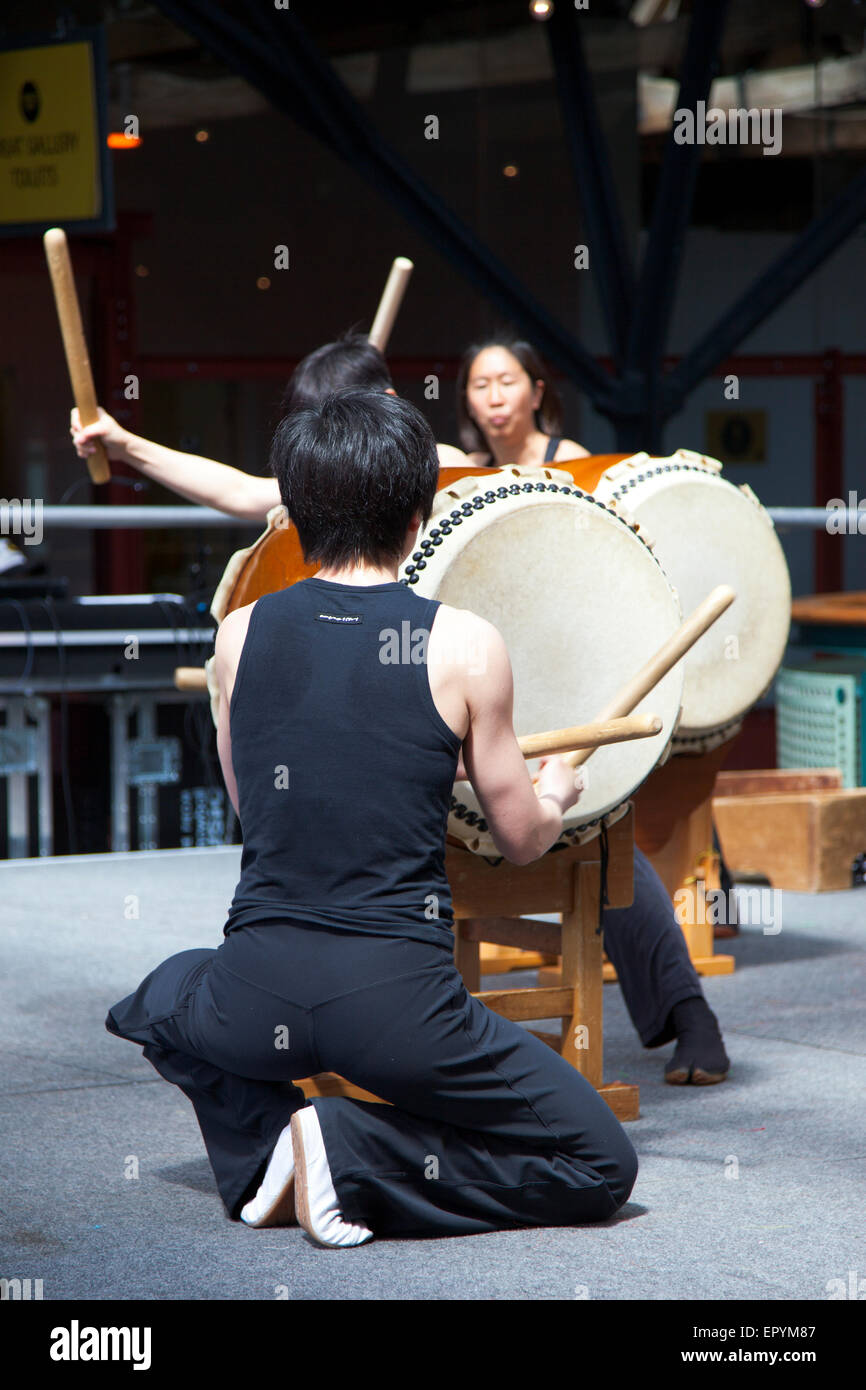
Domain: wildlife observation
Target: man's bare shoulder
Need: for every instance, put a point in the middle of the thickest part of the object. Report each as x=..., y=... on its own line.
x=466, y=634
x=449, y=456
x=570, y=449
x=231, y=634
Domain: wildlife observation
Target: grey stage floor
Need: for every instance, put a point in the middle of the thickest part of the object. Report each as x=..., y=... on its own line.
x=78, y=1104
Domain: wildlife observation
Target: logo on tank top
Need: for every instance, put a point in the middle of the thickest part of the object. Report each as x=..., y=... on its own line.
x=339, y=618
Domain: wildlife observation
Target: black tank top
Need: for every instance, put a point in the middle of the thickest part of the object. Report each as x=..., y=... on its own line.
x=552, y=446
x=344, y=766
x=549, y=453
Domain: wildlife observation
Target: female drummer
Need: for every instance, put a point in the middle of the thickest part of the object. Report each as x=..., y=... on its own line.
x=350, y=361
x=509, y=412
x=338, y=951
x=508, y=409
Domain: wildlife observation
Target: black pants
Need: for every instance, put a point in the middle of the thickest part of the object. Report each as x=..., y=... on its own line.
x=488, y=1127
x=648, y=951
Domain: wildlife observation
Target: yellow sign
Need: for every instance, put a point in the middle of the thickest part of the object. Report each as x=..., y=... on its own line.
x=737, y=436
x=49, y=135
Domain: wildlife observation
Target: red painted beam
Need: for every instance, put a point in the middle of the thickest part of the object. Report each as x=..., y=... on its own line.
x=167, y=368
x=829, y=468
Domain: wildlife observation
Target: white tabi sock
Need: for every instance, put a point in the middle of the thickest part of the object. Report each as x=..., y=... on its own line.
x=317, y=1204
x=278, y=1174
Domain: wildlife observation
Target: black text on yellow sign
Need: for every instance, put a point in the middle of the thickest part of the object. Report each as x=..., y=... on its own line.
x=50, y=156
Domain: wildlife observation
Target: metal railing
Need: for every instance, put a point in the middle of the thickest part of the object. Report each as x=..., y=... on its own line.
x=100, y=518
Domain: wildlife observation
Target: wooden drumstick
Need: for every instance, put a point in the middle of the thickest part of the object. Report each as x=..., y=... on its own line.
x=590, y=735
x=190, y=678
x=77, y=360
x=389, y=304
x=658, y=666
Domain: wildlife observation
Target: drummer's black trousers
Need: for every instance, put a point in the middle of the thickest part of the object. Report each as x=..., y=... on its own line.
x=488, y=1127
x=649, y=953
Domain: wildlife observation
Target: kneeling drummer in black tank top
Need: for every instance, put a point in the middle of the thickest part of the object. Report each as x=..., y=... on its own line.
x=345, y=700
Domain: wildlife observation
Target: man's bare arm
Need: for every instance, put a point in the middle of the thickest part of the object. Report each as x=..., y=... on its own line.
x=228, y=646
x=198, y=479
x=524, y=821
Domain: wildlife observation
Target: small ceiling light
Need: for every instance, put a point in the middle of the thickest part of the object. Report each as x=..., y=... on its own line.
x=263, y=283
x=142, y=272
x=116, y=140
x=815, y=4
x=511, y=171
x=541, y=9
x=202, y=136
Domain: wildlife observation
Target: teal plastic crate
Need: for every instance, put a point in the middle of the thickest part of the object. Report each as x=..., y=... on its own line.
x=819, y=717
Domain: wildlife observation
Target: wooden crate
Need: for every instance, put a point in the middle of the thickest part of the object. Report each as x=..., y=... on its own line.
x=798, y=828
x=776, y=779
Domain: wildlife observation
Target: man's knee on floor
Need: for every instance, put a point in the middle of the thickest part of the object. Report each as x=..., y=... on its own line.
x=621, y=1182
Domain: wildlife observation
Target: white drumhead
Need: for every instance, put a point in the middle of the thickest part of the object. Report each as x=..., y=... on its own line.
x=581, y=604
x=707, y=531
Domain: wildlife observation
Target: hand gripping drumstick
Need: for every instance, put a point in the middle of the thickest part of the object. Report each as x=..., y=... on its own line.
x=77, y=360
x=389, y=304
x=589, y=735
x=658, y=666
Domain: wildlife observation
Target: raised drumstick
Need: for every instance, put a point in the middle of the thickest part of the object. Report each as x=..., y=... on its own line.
x=706, y=613
x=589, y=735
x=77, y=359
x=389, y=304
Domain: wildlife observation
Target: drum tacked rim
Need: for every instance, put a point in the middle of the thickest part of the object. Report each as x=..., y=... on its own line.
x=535, y=480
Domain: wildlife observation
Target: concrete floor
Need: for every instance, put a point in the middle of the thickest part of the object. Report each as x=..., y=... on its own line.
x=76, y=1105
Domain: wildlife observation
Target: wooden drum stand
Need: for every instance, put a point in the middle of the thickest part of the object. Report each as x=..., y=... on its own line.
x=674, y=828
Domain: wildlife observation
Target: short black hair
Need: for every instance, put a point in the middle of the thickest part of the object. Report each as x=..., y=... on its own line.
x=350, y=361
x=353, y=470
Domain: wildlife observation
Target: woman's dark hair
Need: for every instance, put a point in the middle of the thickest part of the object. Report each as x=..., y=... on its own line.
x=548, y=416
x=353, y=470
x=351, y=361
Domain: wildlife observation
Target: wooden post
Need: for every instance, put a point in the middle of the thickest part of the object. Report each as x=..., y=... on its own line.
x=582, y=1030
x=467, y=957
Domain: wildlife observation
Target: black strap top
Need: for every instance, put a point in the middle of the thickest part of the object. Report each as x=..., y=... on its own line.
x=553, y=444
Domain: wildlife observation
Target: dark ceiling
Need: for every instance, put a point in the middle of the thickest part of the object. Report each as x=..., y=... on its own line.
x=758, y=31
